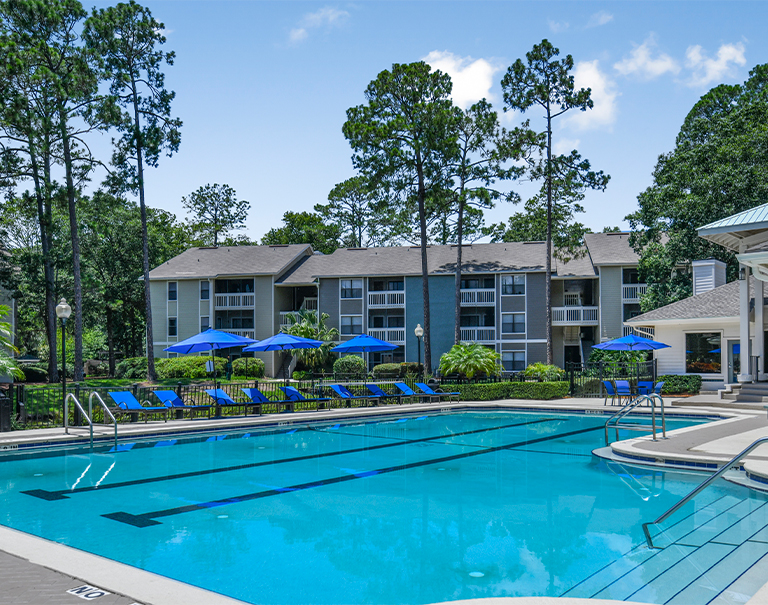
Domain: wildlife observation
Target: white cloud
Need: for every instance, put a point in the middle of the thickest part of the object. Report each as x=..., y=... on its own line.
x=557, y=26
x=599, y=18
x=641, y=61
x=707, y=71
x=587, y=74
x=564, y=146
x=325, y=17
x=472, y=78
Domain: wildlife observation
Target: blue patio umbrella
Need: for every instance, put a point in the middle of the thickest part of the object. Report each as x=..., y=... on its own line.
x=363, y=344
x=209, y=341
x=283, y=341
x=630, y=343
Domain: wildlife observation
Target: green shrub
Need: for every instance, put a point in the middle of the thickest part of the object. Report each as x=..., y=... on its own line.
x=34, y=373
x=350, y=365
x=544, y=372
x=189, y=366
x=490, y=391
x=411, y=367
x=680, y=384
x=386, y=370
x=250, y=367
x=470, y=360
x=133, y=367
x=301, y=374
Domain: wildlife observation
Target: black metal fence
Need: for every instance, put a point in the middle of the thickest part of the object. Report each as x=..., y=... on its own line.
x=586, y=379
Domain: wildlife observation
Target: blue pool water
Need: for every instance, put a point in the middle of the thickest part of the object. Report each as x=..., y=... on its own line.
x=413, y=510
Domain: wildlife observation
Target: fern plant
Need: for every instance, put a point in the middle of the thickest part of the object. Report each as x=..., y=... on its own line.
x=544, y=372
x=307, y=324
x=470, y=360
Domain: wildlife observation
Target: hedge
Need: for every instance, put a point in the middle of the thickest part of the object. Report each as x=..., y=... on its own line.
x=508, y=390
x=34, y=373
x=680, y=384
x=188, y=366
x=350, y=365
x=254, y=366
x=133, y=367
x=396, y=370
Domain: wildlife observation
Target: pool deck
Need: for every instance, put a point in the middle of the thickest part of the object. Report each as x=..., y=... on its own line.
x=38, y=571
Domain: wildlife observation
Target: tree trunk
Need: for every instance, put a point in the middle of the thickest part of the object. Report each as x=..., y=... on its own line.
x=111, y=341
x=78, y=286
x=150, y=345
x=548, y=279
x=459, y=239
x=424, y=269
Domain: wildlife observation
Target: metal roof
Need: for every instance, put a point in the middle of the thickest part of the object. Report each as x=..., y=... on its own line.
x=748, y=227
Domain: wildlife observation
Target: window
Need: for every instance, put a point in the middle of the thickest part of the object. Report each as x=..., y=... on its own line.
x=702, y=353
x=351, y=288
x=205, y=323
x=396, y=321
x=205, y=290
x=351, y=324
x=396, y=286
x=171, y=355
x=631, y=310
x=512, y=323
x=475, y=283
x=377, y=321
x=513, y=284
x=172, y=327
x=513, y=361
x=630, y=276
x=172, y=292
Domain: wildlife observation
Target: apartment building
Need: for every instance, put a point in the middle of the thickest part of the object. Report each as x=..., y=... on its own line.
x=250, y=290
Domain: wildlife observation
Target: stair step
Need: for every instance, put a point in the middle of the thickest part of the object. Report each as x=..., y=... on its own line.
x=610, y=573
x=746, y=585
x=723, y=572
x=747, y=527
x=718, y=525
x=692, y=521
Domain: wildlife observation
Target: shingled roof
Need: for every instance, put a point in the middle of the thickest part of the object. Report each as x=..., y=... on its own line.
x=611, y=248
x=199, y=263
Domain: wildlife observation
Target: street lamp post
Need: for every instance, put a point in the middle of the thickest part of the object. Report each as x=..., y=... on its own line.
x=63, y=311
x=419, y=332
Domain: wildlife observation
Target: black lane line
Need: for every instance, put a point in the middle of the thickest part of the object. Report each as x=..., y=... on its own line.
x=148, y=519
x=64, y=493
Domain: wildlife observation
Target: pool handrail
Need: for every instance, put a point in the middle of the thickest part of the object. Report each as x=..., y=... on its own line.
x=721, y=471
x=629, y=407
x=82, y=411
x=106, y=411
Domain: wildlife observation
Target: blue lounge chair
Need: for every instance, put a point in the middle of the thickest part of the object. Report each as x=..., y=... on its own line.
x=609, y=392
x=128, y=404
x=259, y=398
x=658, y=387
x=623, y=390
x=172, y=401
x=295, y=396
x=405, y=390
x=222, y=399
x=345, y=394
x=425, y=388
x=645, y=387
x=381, y=394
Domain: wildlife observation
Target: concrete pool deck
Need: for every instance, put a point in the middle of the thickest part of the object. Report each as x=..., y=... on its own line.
x=34, y=570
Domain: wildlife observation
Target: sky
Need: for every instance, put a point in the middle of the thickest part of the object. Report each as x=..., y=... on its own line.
x=263, y=87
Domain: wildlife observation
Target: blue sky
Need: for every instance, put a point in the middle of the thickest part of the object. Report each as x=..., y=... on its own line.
x=262, y=87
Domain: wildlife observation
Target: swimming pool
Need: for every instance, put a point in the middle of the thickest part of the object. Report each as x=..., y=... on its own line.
x=419, y=509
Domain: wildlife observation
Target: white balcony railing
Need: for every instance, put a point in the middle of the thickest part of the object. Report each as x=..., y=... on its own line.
x=284, y=316
x=247, y=333
x=310, y=303
x=235, y=301
x=394, y=335
x=478, y=334
x=572, y=300
x=641, y=331
x=382, y=300
x=631, y=293
x=574, y=316
x=478, y=298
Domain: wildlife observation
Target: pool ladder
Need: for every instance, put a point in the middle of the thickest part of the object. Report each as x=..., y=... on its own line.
x=614, y=421
x=703, y=485
x=89, y=415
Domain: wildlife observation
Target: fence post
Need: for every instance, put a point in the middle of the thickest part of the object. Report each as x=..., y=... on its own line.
x=571, y=367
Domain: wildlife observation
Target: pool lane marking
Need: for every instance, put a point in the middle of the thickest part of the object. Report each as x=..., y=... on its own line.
x=64, y=493
x=148, y=519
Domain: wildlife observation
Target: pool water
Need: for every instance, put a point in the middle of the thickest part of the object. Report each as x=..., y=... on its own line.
x=419, y=509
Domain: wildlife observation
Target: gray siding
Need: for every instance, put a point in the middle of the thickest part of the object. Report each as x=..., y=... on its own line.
x=610, y=303
x=351, y=307
x=159, y=293
x=188, y=309
x=328, y=301
x=558, y=353
x=558, y=288
x=536, y=352
x=441, y=314
x=414, y=314
x=512, y=304
x=536, y=317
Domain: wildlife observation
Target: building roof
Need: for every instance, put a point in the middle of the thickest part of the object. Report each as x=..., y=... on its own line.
x=580, y=266
x=611, y=248
x=743, y=227
x=720, y=303
x=199, y=263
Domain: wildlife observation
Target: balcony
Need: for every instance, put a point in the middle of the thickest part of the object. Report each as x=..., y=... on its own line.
x=641, y=331
x=284, y=316
x=235, y=301
x=247, y=333
x=574, y=316
x=478, y=334
x=394, y=335
x=386, y=300
x=571, y=300
x=631, y=293
x=478, y=298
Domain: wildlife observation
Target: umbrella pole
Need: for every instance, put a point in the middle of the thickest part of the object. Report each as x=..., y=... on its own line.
x=215, y=386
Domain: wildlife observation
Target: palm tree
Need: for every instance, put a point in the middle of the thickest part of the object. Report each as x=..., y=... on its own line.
x=308, y=324
x=470, y=359
x=8, y=366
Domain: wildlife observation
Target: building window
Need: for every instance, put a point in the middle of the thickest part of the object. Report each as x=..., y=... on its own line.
x=171, y=354
x=396, y=286
x=172, y=327
x=351, y=288
x=205, y=290
x=513, y=361
x=205, y=323
x=702, y=353
x=512, y=284
x=395, y=321
x=172, y=291
x=512, y=323
x=631, y=310
x=476, y=283
x=351, y=324
x=630, y=276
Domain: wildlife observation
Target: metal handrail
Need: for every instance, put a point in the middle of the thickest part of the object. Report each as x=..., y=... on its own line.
x=651, y=397
x=106, y=410
x=82, y=411
x=721, y=471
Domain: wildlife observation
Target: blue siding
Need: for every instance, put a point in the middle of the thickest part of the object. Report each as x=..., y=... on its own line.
x=441, y=304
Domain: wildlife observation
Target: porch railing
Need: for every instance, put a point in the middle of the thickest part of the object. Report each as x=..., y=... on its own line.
x=235, y=301
x=386, y=299
x=631, y=293
x=393, y=335
x=478, y=334
x=485, y=297
x=574, y=316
